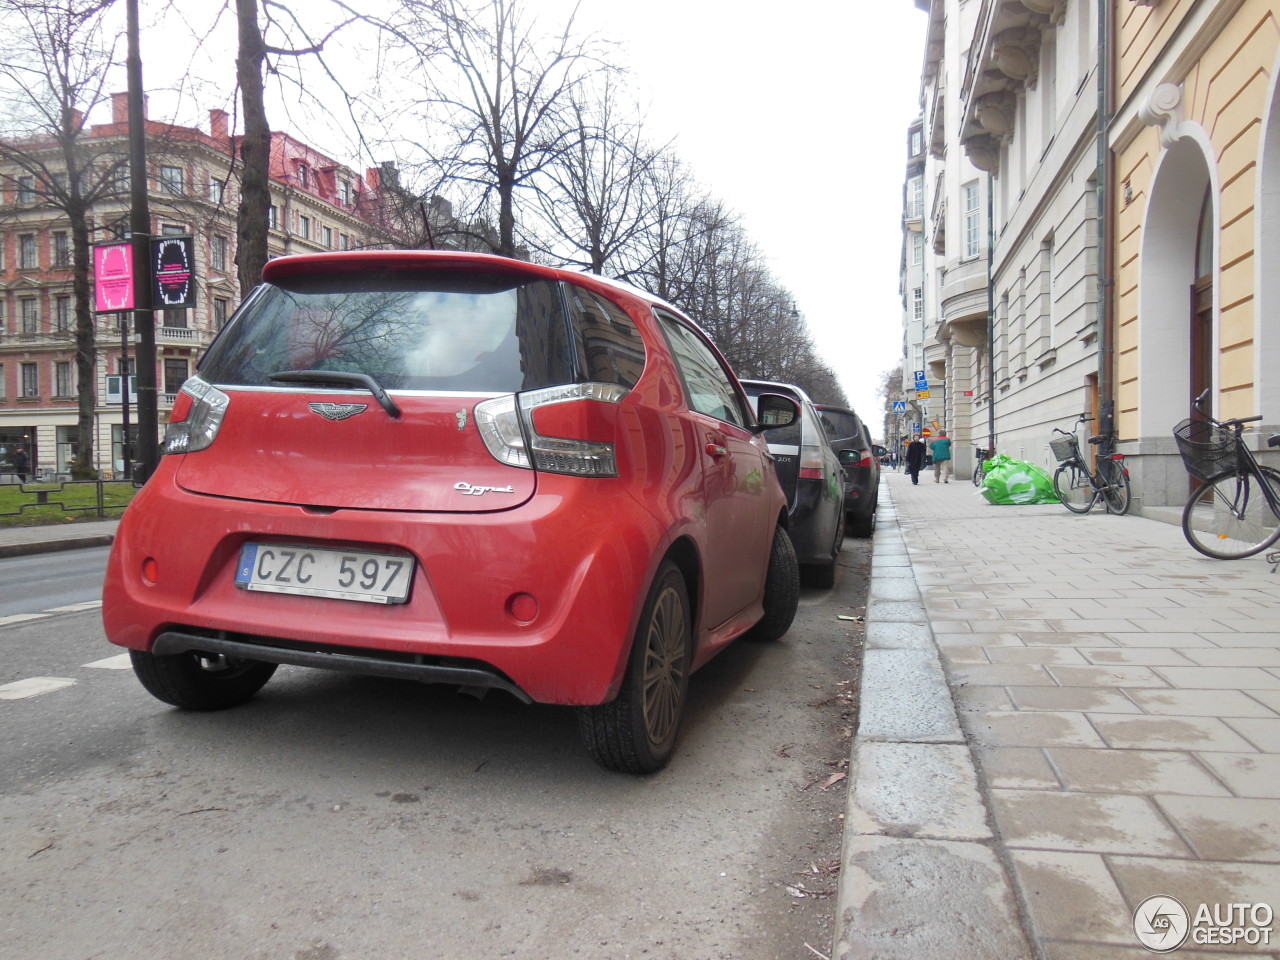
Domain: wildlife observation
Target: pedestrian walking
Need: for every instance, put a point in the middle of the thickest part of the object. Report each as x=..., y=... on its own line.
x=21, y=465
x=941, y=450
x=915, y=459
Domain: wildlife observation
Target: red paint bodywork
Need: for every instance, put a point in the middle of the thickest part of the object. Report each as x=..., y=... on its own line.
x=585, y=548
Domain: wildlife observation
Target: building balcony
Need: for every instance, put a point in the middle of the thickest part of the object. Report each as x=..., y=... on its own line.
x=41, y=338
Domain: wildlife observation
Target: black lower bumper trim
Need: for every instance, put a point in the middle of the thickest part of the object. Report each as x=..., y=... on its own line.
x=175, y=641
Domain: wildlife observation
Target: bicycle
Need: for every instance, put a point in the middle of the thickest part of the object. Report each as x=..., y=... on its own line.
x=1079, y=488
x=1234, y=512
x=981, y=455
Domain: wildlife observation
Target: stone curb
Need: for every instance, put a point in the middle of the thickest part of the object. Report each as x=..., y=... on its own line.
x=921, y=876
x=50, y=546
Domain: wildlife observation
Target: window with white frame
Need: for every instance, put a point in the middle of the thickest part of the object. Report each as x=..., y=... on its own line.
x=30, y=311
x=217, y=189
x=28, y=257
x=175, y=318
x=30, y=376
x=326, y=237
x=344, y=242
x=172, y=230
x=171, y=179
x=273, y=217
x=27, y=189
x=62, y=313
x=344, y=192
x=915, y=198
x=219, y=253
x=61, y=249
x=219, y=312
x=917, y=248
x=304, y=227
x=917, y=304
x=62, y=379
x=972, y=219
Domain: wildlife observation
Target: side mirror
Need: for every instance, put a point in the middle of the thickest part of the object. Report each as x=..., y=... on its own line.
x=775, y=410
x=849, y=458
x=879, y=450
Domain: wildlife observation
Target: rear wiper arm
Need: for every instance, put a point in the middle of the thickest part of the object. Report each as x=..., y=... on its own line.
x=341, y=378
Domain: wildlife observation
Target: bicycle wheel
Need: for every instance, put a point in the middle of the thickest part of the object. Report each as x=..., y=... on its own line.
x=978, y=474
x=1073, y=488
x=1116, y=492
x=1229, y=517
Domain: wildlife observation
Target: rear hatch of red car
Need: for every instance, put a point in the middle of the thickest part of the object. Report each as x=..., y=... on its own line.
x=408, y=384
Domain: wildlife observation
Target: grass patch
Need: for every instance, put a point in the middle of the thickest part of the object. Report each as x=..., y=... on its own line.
x=67, y=502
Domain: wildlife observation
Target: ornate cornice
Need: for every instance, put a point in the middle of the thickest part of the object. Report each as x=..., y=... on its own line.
x=1163, y=108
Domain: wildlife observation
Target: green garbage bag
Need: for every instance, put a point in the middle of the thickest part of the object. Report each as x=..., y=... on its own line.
x=1016, y=481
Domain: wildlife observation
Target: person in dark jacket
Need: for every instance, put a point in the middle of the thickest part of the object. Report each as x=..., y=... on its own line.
x=915, y=459
x=21, y=465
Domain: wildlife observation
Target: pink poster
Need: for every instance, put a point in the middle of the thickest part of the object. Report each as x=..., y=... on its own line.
x=113, y=277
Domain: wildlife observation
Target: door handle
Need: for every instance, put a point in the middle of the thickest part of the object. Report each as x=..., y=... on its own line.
x=717, y=451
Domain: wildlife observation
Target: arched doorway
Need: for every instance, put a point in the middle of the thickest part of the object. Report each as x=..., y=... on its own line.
x=1177, y=299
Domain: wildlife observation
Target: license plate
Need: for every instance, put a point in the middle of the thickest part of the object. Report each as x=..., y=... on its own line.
x=323, y=572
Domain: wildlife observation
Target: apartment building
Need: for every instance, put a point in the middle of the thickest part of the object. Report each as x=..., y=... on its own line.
x=1125, y=159
x=1009, y=99
x=1194, y=225
x=316, y=204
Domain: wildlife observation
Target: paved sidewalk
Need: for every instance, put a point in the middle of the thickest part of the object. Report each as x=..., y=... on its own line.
x=1061, y=717
x=22, y=541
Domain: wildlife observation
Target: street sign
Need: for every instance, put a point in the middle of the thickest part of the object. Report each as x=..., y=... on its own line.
x=915, y=427
x=928, y=432
x=899, y=406
x=922, y=394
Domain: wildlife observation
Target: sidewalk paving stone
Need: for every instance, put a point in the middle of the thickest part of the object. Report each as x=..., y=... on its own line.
x=1117, y=698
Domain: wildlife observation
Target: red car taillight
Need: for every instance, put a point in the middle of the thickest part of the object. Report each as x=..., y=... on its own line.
x=568, y=429
x=811, y=462
x=196, y=417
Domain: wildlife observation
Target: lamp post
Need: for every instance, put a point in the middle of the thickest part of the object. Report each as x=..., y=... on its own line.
x=124, y=395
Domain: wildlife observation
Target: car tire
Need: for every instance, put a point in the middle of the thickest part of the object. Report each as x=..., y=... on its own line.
x=863, y=527
x=781, y=590
x=823, y=575
x=195, y=681
x=636, y=731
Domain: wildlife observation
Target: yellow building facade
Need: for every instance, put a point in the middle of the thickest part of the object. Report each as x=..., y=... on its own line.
x=1193, y=226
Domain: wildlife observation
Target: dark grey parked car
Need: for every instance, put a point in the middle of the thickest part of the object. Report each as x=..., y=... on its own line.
x=813, y=482
x=851, y=441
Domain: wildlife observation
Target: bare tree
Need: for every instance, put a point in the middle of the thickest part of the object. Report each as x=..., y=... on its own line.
x=505, y=99
x=598, y=200
x=252, y=58
x=53, y=73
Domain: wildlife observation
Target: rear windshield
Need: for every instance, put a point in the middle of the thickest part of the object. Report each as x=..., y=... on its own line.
x=407, y=331
x=841, y=425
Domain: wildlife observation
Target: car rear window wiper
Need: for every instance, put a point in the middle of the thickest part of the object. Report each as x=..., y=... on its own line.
x=342, y=378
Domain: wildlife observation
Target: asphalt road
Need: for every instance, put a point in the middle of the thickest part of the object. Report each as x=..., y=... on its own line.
x=47, y=580
x=339, y=817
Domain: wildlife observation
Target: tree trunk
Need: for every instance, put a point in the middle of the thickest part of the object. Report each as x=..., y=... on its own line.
x=86, y=347
x=255, y=151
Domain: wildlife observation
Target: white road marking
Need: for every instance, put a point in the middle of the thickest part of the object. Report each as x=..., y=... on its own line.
x=33, y=687
x=76, y=607
x=121, y=662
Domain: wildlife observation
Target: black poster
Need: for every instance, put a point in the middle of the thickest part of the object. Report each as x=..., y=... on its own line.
x=173, y=269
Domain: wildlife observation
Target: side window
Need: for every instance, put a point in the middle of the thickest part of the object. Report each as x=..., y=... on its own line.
x=610, y=348
x=709, y=387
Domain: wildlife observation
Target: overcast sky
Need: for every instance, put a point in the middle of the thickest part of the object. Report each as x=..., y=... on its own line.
x=793, y=114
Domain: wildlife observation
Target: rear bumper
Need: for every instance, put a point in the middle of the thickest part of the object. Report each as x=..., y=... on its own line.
x=457, y=626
